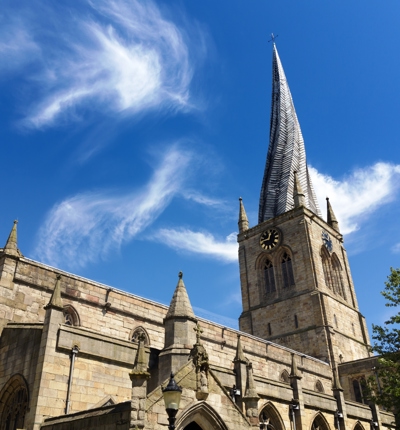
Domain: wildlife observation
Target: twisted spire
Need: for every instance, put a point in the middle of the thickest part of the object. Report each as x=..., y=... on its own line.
x=286, y=153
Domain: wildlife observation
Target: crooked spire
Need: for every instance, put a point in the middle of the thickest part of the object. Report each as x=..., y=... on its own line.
x=286, y=153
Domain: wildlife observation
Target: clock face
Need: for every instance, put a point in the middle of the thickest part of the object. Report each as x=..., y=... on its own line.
x=327, y=241
x=269, y=239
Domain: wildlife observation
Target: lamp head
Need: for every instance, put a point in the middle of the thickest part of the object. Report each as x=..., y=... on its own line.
x=172, y=394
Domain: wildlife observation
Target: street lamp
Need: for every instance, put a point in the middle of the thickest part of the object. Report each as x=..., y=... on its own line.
x=338, y=417
x=294, y=406
x=172, y=397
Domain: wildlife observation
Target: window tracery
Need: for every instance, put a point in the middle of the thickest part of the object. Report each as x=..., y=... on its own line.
x=319, y=423
x=137, y=332
x=71, y=316
x=14, y=405
x=270, y=418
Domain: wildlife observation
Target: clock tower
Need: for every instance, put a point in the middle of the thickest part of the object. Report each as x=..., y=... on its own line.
x=295, y=277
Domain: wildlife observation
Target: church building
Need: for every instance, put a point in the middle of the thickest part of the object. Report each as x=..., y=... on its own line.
x=77, y=354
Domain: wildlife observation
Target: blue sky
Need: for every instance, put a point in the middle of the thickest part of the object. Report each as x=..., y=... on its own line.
x=129, y=130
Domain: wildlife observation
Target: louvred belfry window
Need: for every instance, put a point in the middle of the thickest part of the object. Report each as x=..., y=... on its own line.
x=287, y=271
x=269, y=277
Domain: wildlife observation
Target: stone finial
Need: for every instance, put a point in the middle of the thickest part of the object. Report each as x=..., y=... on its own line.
x=336, y=385
x=56, y=300
x=294, y=371
x=298, y=194
x=243, y=221
x=180, y=304
x=239, y=352
x=251, y=391
x=141, y=362
x=331, y=218
x=11, y=247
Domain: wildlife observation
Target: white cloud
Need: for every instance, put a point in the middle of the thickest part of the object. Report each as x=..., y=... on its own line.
x=197, y=197
x=396, y=248
x=16, y=45
x=86, y=227
x=115, y=56
x=356, y=196
x=200, y=243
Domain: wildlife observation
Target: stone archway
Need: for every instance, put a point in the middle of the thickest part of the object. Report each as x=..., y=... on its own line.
x=193, y=426
x=320, y=423
x=271, y=417
x=14, y=399
x=201, y=416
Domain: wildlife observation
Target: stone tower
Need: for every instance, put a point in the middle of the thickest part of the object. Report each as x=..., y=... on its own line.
x=295, y=277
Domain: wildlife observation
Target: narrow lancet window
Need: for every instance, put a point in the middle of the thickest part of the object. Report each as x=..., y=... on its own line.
x=326, y=265
x=269, y=277
x=337, y=276
x=287, y=271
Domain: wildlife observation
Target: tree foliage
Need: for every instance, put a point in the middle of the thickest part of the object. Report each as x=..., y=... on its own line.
x=387, y=345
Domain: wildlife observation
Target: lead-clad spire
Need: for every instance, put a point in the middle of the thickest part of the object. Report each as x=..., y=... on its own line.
x=286, y=153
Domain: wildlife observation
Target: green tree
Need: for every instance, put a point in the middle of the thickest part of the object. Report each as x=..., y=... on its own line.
x=387, y=345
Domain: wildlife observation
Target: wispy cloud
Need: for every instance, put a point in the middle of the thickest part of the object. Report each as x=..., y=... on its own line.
x=85, y=227
x=200, y=243
x=115, y=56
x=396, y=248
x=359, y=194
x=218, y=318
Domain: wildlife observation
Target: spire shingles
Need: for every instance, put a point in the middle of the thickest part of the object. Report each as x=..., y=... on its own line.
x=286, y=153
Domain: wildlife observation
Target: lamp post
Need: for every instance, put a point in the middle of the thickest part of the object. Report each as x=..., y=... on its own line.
x=172, y=397
x=338, y=417
x=294, y=406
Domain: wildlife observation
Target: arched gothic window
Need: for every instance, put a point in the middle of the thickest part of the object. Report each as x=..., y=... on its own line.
x=137, y=332
x=14, y=403
x=326, y=265
x=319, y=387
x=269, y=277
x=284, y=377
x=271, y=418
x=319, y=423
x=71, y=316
x=337, y=276
x=287, y=271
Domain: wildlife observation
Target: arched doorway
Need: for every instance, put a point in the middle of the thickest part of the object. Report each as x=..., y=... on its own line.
x=193, y=426
x=13, y=403
x=201, y=416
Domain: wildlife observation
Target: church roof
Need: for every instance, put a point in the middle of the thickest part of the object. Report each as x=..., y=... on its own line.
x=286, y=153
